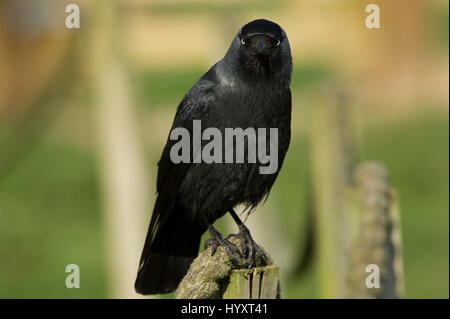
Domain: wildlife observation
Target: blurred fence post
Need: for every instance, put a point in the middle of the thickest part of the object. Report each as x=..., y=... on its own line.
x=357, y=220
x=333, y=156
x=378, y=237
x=120, y=153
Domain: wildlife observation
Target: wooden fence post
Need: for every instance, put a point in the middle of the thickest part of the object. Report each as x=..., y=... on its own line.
x=377, y=240
x=253, y=283
x=333, y=151
x=356, y=216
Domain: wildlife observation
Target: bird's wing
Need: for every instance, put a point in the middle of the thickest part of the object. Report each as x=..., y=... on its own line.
x=194, y=106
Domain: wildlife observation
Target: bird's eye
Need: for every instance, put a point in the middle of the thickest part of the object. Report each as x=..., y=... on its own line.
x=242, y=41
x=278, y=43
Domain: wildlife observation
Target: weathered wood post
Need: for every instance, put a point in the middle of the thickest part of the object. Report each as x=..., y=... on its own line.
x=253, y=283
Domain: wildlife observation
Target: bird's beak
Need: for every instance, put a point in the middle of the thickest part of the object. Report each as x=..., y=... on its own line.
x=261, y=45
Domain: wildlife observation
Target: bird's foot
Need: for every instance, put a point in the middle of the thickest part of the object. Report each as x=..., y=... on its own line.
x=248, y=246
x=217, y=240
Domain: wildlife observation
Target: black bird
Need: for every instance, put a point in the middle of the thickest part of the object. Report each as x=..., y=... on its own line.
x=248, y=88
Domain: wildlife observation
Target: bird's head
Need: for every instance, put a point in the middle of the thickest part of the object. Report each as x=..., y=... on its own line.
x=263, y=48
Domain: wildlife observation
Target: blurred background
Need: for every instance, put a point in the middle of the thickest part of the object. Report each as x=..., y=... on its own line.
x=84, y=114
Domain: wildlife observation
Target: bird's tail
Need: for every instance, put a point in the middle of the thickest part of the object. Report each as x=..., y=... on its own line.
x=170, y=247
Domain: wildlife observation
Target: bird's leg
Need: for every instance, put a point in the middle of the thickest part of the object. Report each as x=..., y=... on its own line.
x=217, y=240
x=248, y=245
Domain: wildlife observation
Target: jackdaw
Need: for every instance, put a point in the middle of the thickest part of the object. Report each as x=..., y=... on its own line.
x=248, y=88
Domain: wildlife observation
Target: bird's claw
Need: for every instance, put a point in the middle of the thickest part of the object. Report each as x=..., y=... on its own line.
x=217, y=240
x=248, y=246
